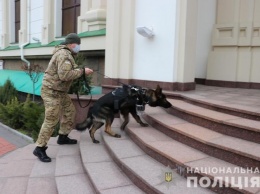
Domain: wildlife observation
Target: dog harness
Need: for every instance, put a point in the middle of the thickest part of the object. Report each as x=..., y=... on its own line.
x=130, y=91
x=119, y=94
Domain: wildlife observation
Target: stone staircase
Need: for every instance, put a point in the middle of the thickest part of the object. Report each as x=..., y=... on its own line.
x=197, y=146
x=198, y=151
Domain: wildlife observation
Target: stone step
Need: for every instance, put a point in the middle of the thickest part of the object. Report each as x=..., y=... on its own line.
x=205, y=100
x=70, y=175
x=105, y=176
x=227, y=124
x=43, y=174
x=191, y=162
x=147, y=173
x=234, y=150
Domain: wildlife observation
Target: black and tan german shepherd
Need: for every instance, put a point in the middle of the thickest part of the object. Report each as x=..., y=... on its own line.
x=123, y=100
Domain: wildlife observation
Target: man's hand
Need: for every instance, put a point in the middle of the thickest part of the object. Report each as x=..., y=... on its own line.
x=88, y=71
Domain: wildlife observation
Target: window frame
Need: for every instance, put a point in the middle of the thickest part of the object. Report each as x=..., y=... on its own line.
x=75, y=7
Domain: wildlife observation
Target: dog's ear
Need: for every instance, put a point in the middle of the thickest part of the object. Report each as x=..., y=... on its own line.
x=158, y=90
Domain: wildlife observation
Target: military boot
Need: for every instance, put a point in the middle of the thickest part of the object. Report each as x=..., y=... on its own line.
x=41, y=154
x=64, y=139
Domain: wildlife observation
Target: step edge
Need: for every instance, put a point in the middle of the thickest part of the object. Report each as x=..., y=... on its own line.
x=204, y=141
x=222, y=106
x=95, y=187
x=169, y=158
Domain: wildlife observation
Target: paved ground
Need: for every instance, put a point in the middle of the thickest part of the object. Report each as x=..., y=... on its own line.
x=5, y=146
x=10, y=139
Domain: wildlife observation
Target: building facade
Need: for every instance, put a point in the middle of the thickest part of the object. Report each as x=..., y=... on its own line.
x=213, y=42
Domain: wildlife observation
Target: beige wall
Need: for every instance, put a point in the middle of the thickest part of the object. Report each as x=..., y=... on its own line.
x=121, y=39
x=236, y=42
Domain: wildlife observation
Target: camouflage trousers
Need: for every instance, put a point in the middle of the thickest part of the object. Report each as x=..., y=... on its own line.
x=58, y=107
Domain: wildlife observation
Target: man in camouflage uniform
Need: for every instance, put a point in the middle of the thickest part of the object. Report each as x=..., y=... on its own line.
x=57, y=80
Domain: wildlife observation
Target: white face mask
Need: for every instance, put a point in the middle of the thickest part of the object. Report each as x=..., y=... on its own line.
x=76, y=49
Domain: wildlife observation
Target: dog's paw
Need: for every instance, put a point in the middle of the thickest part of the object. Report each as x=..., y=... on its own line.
x=95, y=141
x=117, y=136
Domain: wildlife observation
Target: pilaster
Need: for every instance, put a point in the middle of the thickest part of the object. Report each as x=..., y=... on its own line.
x=23, y=32
x=82, y=21
x=119, y=39
x=5, y=24
x=96, y=16
x=48, y=23
x=187, y=12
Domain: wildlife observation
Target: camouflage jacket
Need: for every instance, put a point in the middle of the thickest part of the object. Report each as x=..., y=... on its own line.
x=61, y=71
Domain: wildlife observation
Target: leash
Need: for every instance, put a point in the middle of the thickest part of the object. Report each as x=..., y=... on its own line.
x=89, y=91
x=118, y=82
x=87, y=86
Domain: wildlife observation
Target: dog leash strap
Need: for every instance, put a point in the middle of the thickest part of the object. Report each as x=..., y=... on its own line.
x=118, y=82
x=80, y=102
x=85, y=81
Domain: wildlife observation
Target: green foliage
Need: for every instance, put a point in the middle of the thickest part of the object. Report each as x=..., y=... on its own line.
x=24, y=116
x=11, y=113
x=31, y=114
x=7, y=92
x=79, y=84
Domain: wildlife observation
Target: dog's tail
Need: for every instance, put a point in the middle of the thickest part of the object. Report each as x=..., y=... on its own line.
x=84, y=125
x=87, y=123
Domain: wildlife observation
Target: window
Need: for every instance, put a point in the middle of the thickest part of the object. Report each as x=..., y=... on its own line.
x=70, y=13
x=17, y=22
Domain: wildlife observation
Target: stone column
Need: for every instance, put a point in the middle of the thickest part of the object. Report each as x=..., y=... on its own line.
x=96, y=16
x=5, y=24
x=48, y=22
x=112, y=40
x=82, y=21
x=23, y=32
x=119, y=39
x=186, y=42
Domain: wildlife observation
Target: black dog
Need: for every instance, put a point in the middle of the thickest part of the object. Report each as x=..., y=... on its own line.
x=126, y=100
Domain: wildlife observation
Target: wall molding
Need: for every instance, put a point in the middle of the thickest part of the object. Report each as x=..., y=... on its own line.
x=170, y=86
